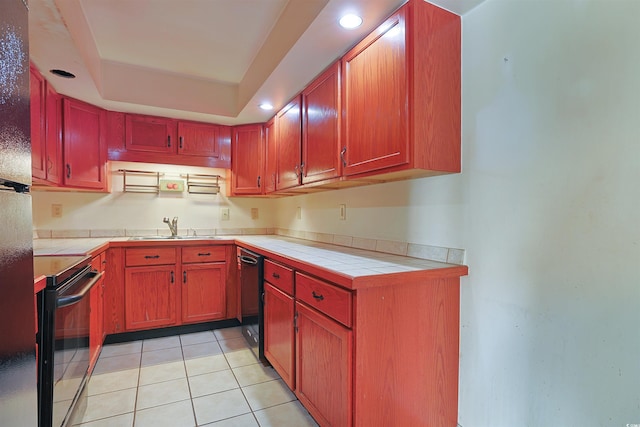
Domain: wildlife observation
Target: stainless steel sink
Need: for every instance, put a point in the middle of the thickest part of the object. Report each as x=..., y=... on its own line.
x=176, y=238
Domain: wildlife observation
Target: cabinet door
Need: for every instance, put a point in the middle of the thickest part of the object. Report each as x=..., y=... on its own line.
x=38, y=133
x=375, y=100
x=323, y=363
x=96, y=322
x=271, y=150
x=247, y=159
x=278, y=332
x=203, y=292
x=151, y=134
x=150, y=297
x=53, y=138
x=321, y=127
x=289, y=129
x=198, y=139
x=83, y=144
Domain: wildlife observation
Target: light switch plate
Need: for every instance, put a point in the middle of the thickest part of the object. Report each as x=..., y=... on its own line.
x=343, y=212
x=224, y=214
x=254, y=213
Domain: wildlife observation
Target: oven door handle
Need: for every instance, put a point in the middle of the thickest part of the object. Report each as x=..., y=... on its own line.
x=72, y=299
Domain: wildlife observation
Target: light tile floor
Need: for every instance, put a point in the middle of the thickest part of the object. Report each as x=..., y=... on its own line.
x=209, y=378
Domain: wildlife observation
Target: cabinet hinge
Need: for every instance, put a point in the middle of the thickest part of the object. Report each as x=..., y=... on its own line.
x=295, y=322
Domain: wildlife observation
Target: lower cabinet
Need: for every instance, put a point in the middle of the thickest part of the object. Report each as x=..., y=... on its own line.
x=382, y=354
x=279, y=333
x=160, y=286
x=323, y=367
x=203, y=292
x=150, y=297
x=96, y=301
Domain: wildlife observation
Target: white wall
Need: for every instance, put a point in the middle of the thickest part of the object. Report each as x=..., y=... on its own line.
x=547, y=208
x=135, y=211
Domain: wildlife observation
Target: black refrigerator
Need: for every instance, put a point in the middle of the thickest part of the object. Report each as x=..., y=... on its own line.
x=18, y=388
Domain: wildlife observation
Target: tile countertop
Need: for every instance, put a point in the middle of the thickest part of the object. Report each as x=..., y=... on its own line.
x=348, y=267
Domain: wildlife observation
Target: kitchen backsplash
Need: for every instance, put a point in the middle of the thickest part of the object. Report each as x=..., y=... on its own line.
x=434, y=253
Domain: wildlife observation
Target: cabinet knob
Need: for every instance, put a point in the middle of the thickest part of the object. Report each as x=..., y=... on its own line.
x=275, y=275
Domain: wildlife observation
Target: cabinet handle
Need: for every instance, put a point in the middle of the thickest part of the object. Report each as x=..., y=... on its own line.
x=318, y=297
x=152, y=256
x=181, y=142
x=295, y=170
x=173, y=279
x=276, y=275
x=258, y=181
x=184, y=276
x=342, y=153
x=168, y=140
x=204, y=254
x=68, y=171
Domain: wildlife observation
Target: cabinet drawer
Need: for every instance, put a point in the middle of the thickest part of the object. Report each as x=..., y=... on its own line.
x=279, y=276
x=150, y=256
x=195, y=254
x=327, y=298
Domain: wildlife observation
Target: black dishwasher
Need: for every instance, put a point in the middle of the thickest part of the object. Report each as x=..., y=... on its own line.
x=251, y=267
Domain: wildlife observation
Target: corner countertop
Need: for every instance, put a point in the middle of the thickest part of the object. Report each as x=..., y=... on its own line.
x=349, y=267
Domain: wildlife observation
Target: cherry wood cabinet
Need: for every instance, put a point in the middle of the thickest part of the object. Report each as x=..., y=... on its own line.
x=150, y=297
x=163, y=285
x=38, y=123
x=198, y=139
x=151, y=134
x=271, y=150
x=323, y=367
x=321, y=127
x=289, y=137
x=382, y=351
x=46, y=126
x=279, y=333
x=84, y=147
x=96, y=333
x=401, y=96
x=203, y=284
x=53, y=138
x=247, y=160
x=152, y=139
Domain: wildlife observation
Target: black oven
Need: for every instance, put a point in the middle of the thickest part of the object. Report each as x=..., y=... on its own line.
x=63, y=340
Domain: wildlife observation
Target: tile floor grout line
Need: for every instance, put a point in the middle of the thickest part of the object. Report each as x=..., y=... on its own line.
x=186, y=373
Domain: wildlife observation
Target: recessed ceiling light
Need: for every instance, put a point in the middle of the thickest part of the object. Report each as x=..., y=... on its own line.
x=350, y=21
x=62, y=73
x=266, y=106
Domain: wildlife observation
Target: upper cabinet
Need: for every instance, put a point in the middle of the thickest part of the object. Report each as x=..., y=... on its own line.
x=321, y=127
x=247, y=170
x=150, y=134
x=271, y=151
x=140, y=138
x=38, y=124
x=401, y=96
x=84, y=148
x=289, y=137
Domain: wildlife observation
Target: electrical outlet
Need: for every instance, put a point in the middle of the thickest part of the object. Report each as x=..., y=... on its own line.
x=56, y=210
x=343, y=212
x=254, y=213
x=299, y=212
x=224, y=214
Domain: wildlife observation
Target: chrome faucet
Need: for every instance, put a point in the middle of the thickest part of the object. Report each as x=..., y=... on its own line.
x=173, y=225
